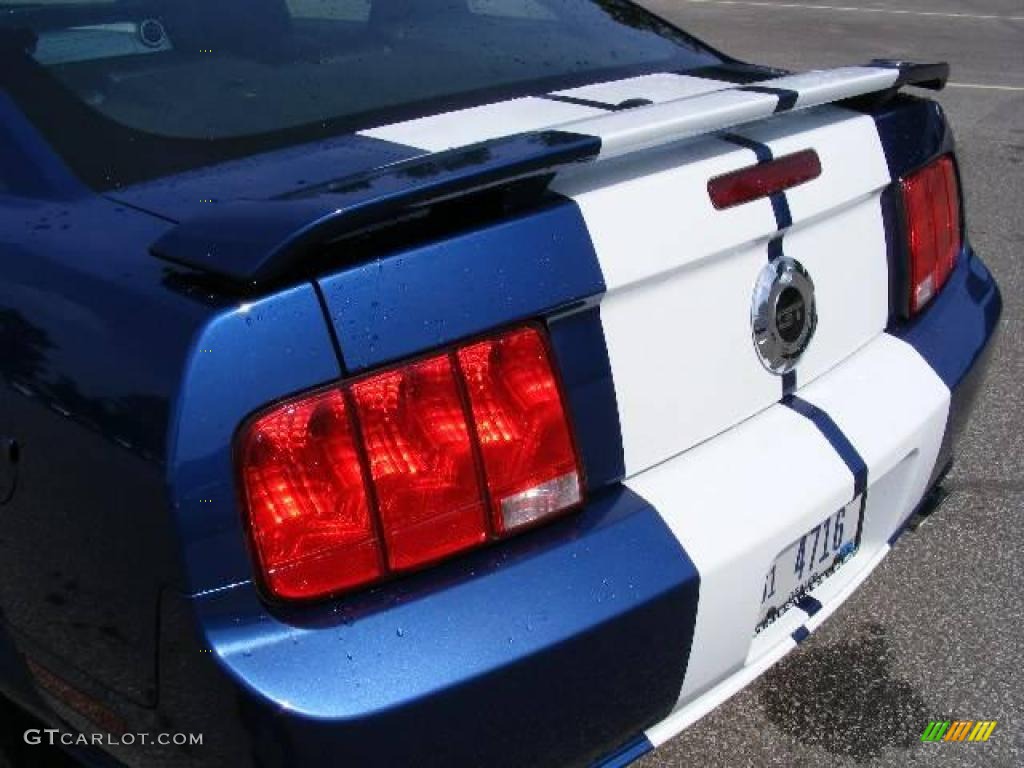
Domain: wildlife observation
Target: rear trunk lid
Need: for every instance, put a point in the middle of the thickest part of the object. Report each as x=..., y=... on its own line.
x=680, y=276
x=634, y=236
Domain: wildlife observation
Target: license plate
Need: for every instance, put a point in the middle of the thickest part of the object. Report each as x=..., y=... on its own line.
x=809, y=560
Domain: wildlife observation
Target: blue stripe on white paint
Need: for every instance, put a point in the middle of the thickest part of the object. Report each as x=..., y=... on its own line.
x=839, y=441
x=800, y=634
x=809, y=605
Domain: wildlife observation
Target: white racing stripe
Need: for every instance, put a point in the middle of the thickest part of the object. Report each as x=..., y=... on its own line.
x=665, y=86
x=672, y=263
x=680, y=274
x=827, y=85
x=697, y=112
x=686, y=716
x=469, y=126
x=731, y=505
x=905, y=398
x=838, y=233
x=734, y=507
x=852, y=158
x=635, y=130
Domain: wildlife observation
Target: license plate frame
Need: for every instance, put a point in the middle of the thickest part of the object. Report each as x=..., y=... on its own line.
x=809, y=560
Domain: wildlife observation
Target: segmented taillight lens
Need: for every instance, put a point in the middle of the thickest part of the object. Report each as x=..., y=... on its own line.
x=307, y=502
x=421, y=459
x=528, y=454
x=408, y=466
x=931, y=203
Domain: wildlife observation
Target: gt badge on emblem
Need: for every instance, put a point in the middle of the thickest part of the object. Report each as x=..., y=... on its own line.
x=783, y=314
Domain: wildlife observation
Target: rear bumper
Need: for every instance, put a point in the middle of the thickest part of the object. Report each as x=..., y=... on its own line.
x=545, y=651
x=619, y=626
x=902, y=401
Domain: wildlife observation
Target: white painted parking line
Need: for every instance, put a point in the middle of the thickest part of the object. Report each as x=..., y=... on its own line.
x=987, y=87
x=852, y=9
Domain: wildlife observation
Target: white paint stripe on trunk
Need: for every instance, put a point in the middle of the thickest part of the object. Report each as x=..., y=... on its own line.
x=658, y=88
x=828, y=85
x=634, y=129
x=447, y=130
x=642, y=128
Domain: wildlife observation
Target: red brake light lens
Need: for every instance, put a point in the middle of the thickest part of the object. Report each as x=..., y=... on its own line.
x=421, y=460
x=408, y=466
x=764, y=179
x=520, y=421
x=931, y=202
x=307, y=502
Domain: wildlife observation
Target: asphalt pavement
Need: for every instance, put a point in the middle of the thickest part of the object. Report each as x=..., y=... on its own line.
x=937, y=632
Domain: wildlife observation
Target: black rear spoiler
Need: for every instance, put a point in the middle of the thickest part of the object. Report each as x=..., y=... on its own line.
x=259, y=242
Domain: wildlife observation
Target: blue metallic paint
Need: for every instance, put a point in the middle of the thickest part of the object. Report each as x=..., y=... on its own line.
x=577, y=340
x=242, y=360
x=626, y=755
x=913, y=131
x=262, y=176
x=257, y=242
x=92, y=344
x=434, y=294
x=538, y=652
x=956, y=334
x=953, y=331
x=28, y=167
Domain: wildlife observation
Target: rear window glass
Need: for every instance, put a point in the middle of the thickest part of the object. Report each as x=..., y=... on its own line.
x=131, y=89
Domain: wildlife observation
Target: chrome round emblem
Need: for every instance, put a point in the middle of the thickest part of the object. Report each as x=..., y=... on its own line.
x=783, y=314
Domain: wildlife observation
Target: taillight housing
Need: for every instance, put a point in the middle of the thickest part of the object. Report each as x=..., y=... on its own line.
x=931, y=205
x=406, y=466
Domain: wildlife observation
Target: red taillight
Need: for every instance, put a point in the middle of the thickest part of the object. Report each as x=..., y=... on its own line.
x=528, y=454
x=307, y=502
x=764, y=179
x=407, y=466
x=421, y=459
x=931, y=202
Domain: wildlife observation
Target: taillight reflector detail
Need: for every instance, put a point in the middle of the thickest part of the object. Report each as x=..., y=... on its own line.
x=307, y=502
x=764, y=179
x=407, y=466
x=931, y=203
x=520, y=420
x=421, y=459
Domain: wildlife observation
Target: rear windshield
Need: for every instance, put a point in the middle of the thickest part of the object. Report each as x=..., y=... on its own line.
x=128, y=90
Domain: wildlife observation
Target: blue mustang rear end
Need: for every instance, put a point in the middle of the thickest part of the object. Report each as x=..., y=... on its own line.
x=211, y=214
